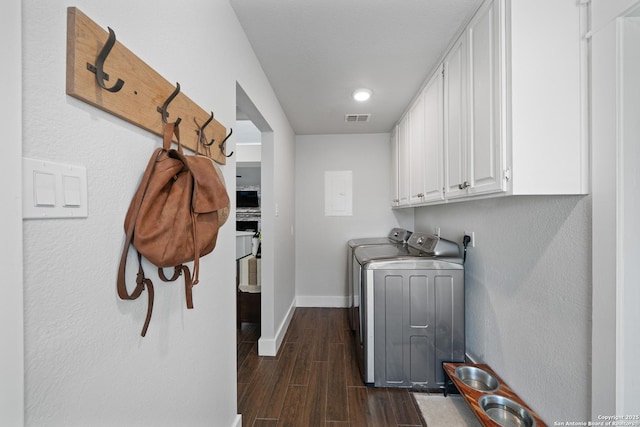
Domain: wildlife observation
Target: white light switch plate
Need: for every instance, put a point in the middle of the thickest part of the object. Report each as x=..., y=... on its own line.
x=53, y=190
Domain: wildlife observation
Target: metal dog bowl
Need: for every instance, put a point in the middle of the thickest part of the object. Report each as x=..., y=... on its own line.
x=477, y=378
x=505, y=412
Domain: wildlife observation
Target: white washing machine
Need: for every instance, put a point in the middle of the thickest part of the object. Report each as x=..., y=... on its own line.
x=397, y=236
x=411, y=313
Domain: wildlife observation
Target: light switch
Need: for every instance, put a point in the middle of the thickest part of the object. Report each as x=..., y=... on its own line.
x=71, y=188
x=44, y=186
x=53, y=190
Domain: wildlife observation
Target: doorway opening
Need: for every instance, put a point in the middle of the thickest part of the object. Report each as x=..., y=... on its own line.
x=248, y=221
x=254, y=172
x=258, y=170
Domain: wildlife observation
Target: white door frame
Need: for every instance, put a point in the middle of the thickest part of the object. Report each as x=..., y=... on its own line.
x=628, y=214
x=615, y=381
x=267, y=344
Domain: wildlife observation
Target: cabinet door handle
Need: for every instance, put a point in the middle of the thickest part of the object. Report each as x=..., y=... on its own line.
x=464, y=185
x=419, y=195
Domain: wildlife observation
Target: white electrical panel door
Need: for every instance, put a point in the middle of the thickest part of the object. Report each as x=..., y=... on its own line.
x=338, y=193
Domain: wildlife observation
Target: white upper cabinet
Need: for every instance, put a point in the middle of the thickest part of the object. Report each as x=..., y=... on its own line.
x=403, y=161
x=416, y=150
x=395, y=191
x=514, y=116
x=456, y=170
x=474, y=144
x=420, y=148
x=485, y=141
x=432, y=157
x=546, y=98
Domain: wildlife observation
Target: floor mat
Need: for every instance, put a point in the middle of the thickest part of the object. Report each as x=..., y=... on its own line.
x=450, y=411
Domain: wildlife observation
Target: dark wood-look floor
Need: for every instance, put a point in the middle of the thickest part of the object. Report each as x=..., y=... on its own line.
x=314, y=379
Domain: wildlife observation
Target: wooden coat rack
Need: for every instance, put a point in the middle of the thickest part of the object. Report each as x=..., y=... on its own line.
x=104, y=73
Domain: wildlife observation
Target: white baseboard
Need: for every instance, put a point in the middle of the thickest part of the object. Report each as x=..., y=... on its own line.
x=269, y=347
x=322, y=301
x=237, y=422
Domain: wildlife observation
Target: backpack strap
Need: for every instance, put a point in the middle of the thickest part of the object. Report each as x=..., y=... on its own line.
x=188, y=284
x=143, y=282
x=180, y=270
x=171, y=129
x=189, y=280
x=177, y=271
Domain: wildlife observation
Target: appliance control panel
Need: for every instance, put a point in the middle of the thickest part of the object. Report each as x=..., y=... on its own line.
x=423, y=242
x=433, y=245
x=399, y=234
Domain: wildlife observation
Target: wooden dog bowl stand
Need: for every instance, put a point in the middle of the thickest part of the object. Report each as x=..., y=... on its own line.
x=472, y=396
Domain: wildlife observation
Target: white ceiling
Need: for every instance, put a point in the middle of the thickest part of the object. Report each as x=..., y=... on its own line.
x=316, y=53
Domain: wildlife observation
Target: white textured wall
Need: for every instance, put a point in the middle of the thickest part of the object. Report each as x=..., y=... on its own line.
x=321, y=242
x=85, y=362
x=11, y=302
x=604, y=11
x=282, y=214
x=249, y=153
x=528, y=294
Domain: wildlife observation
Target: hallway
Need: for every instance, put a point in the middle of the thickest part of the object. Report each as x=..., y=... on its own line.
x=314, y=379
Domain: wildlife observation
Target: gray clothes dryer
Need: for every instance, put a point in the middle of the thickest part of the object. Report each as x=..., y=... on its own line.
x=411, y=313
x=397, y=236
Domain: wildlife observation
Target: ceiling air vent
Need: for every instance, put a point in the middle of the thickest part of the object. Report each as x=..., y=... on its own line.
x=357, y=118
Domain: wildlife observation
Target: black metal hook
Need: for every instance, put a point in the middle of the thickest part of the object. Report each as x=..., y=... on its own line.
x=98, y=69
x=163, y=110
x=221, y=145
x=205, y=124
x=200, y=131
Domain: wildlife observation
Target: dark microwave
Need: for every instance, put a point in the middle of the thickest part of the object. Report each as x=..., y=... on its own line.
x=247, y=199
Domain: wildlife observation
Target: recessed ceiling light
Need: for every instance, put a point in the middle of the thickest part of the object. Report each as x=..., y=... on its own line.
x=362, y=94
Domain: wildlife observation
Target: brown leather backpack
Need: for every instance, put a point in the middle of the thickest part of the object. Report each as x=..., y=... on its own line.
x=173, y=218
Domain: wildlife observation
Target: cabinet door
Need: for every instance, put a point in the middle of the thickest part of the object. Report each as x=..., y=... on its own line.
x=403, y=161
x=416, y=150
x=433, y=139
x=485, y=142
x=456, y=169
x=395, y=194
